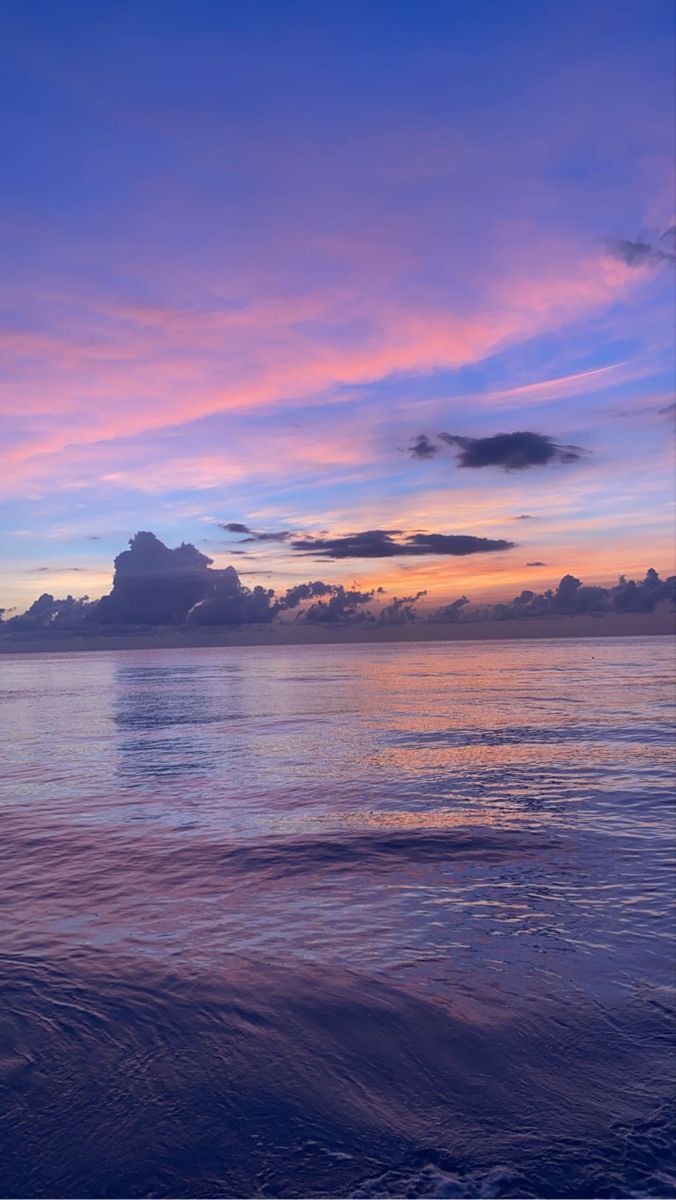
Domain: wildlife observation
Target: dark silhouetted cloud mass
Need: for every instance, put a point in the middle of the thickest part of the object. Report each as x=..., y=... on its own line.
x=451, y=613
x=256, y=535
x=423, y=447
x=388, y=543
x=510, y=451
x=573, y=598
x=343, y=605
x=304, y=591
x=400, y=610
x=49, y=613
x=154, y=585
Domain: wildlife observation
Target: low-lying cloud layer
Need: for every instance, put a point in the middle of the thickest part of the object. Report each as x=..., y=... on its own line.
x=572, y=598
x=155, y=586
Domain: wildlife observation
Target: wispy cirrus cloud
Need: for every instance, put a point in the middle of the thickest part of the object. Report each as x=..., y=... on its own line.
x=110, y=375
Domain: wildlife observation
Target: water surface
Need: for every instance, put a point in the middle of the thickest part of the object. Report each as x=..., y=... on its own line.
x=342, y=920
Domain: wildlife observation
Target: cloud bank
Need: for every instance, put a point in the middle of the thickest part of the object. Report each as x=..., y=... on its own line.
x=156, y=586
x=572, y=598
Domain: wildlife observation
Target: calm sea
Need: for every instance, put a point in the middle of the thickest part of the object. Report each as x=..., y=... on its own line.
x=367, y=921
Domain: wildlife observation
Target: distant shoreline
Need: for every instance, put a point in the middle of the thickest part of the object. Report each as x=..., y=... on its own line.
x=302, y=634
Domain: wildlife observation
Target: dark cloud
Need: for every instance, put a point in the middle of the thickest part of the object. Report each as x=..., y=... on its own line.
x=629, y=596
x=400, y=610
x=455, y=544
x=510, y=451
x=423, y=447
x=634, y=254
x=337, y=603
x=158, y=586
x=343, y=605
x=228, y=602
x=277, y=535
x=451, y=612
x=387, y=543
x=523, y=517
x=304, y=591
x=49, y=613
x=536, y=563
x=573, y=598
x=154, y=585
x=256, y=535
x=43, y=570
x=641, y=253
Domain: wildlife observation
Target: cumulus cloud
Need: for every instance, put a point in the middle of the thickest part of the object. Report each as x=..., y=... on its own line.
x=304, y=591
x=343, y=605
x=574, y=598
x=392, y=543
x=47, y=612
x=510, y=451
x=154, y=585
x=158, y=586
x=450, y=613
x=400, y=610
x=337, y=603
x=230, y=603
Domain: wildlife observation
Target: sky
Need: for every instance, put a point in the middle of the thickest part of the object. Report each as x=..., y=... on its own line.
x=253, y=252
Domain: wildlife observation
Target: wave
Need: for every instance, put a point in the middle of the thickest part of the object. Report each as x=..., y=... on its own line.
x=271, y=858
x=123, y=1079
x=658, y=733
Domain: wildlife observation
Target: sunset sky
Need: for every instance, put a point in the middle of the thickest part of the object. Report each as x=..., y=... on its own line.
x=252, y=252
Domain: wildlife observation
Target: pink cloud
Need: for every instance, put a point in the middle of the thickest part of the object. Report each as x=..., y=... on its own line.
x=136, y=369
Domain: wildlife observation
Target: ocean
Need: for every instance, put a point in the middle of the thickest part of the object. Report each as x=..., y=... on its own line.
x=365, y=921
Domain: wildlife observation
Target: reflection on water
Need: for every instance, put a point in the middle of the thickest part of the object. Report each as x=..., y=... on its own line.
x=351, y=921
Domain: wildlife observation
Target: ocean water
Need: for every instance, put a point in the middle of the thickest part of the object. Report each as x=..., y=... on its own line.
x=365, y=921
